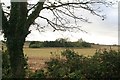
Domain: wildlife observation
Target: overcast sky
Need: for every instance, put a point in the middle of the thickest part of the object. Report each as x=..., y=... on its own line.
x=99, y=31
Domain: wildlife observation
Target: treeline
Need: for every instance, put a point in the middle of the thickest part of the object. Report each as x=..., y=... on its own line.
x=59, y=43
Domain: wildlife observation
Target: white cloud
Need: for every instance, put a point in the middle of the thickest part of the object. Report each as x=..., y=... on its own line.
x=104, y=32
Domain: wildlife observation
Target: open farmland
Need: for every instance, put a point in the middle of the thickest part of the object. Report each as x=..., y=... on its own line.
x=46, y=52
x=37, y=56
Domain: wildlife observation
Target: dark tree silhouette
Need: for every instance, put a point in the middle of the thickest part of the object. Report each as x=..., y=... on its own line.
x=17, y=21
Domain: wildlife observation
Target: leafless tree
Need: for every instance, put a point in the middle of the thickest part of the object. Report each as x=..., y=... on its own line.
x=19, y=16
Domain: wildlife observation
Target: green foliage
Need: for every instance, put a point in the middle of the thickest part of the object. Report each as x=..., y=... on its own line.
x=38, y=74
x=85, y=44
x=35, y=44
x=69, y=67
x=6, y=69
x=103, y=65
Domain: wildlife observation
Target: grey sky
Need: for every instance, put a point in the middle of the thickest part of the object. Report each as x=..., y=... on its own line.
x=103, y=32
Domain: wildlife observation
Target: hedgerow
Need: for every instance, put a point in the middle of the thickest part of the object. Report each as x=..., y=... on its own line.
x=102, y=65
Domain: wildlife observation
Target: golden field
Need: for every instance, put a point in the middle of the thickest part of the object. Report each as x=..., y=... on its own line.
x=46, y=52
x=38, y=56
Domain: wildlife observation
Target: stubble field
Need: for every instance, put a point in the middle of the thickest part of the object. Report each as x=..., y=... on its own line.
x=38, y=56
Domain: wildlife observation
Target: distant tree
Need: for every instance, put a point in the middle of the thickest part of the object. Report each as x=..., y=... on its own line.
x=32, y=42
x=35, y=44
x=85, y=44
x=80, y=40
x=17, y=20
x=62, y=40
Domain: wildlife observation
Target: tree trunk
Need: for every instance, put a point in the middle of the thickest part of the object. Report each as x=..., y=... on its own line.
x=16, y=34
x=16, y=30
x=17, y=61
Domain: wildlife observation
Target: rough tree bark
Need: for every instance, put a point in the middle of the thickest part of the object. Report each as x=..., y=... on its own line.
x=16, y=35
x=15, y=31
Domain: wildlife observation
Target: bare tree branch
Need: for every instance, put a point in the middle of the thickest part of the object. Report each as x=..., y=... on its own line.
x=60, y=21
x=35, y=13
x=61, y=27
x=7, y=13
x=53, y=6
x=57, y=12
x=33, y=6
x=73, y=16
